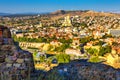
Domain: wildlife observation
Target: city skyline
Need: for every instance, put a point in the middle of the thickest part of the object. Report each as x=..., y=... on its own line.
x=21, y=6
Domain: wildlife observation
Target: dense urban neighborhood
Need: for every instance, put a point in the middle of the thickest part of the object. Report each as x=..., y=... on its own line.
x=64, y=43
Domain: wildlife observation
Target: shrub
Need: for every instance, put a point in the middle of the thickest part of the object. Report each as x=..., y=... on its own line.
x=63, y=58
x=94, y=59
x=92, y=51
x=104, y=50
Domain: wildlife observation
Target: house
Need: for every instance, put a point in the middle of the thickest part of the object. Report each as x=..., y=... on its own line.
x=40, y=54
x=73, y=51
x=76, y=42
x=55, y=43
x=114, y=32
x=110, y=40
x=116, y=48
x=19, y=35
x=97, y=34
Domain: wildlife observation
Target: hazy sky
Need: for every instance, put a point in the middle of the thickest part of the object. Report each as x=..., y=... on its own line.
x=20, y=6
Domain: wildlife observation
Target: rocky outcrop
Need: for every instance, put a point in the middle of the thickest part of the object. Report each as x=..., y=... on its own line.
x=15, y=64
x=59, y=12
x=82, y=70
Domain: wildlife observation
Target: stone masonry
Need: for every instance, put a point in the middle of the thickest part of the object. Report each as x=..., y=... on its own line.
x=15, y=64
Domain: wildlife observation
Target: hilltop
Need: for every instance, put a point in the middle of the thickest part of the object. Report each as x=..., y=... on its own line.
x=64, y=12
x=83, y=13
x=94, y=13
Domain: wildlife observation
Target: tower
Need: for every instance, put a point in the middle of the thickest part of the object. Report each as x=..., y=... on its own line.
x=67, y=21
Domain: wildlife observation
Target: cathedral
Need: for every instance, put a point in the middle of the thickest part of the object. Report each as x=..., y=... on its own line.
x=67, y=21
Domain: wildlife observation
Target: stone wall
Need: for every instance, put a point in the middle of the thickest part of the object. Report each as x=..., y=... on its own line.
x=30, y=44
x=15, y=64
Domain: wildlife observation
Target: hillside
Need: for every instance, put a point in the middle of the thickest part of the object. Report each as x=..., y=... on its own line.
x=83, y=13
x=93, y=13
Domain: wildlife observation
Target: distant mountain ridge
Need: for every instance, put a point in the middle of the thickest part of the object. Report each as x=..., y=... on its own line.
x=21, y=14
x=83, y=13
x=4, y=14
x=63, y=13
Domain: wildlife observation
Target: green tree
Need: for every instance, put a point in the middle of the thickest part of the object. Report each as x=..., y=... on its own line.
x=86, y=39
x=94, y=59
x=63, y=58
x=63, y=47
x=92, y=51
x=42, y=58
x=104, y=50
x=65, y=41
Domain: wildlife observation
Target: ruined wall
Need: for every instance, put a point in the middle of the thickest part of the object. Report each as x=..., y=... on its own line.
x=15, y=64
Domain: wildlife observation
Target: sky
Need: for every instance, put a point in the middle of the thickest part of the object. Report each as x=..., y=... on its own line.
x=24, y=6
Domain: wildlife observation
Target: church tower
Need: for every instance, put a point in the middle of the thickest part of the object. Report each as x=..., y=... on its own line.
x=67, y=21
